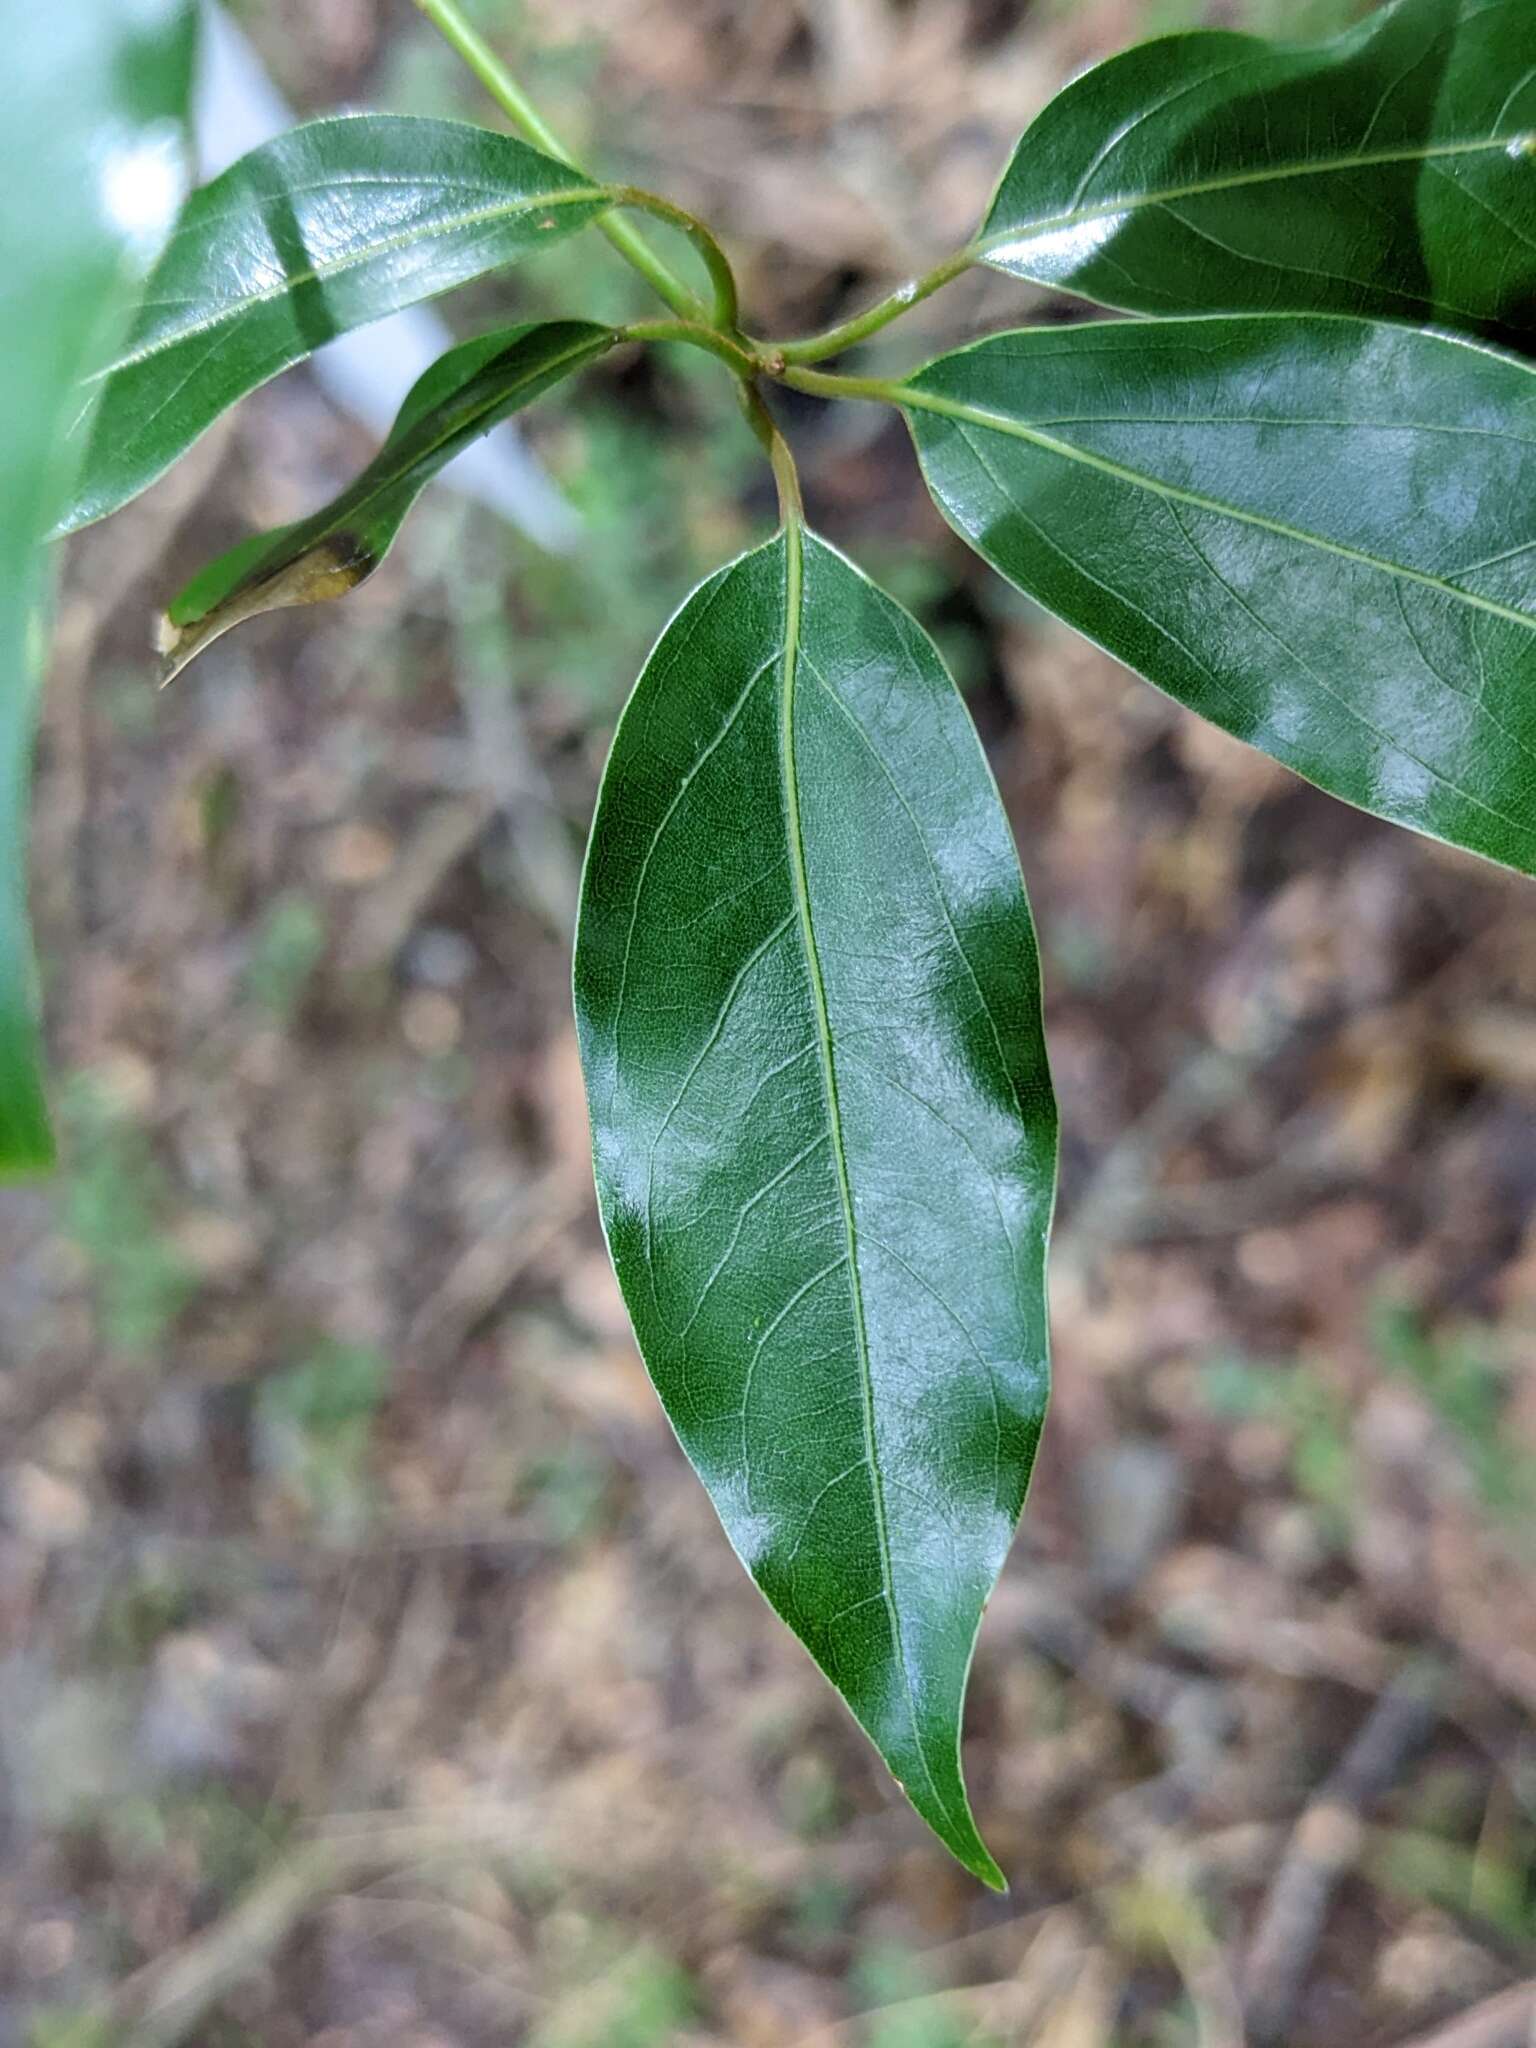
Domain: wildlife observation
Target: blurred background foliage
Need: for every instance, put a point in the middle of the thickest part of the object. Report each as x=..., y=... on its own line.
x=373, y=1671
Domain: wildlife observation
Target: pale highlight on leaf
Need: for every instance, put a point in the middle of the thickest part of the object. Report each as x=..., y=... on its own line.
x=91, y=159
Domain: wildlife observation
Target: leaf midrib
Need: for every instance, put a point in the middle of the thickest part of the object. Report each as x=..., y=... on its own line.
x=1268, y=174
x=794, y=595
x=320, y=273
x=907, y=395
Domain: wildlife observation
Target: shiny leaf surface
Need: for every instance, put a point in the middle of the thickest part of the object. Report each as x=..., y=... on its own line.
x=321, y=231
x=1389, y=172
x=93, y=97
x=1318, y=533
x=328, y=554
x=808, y=1001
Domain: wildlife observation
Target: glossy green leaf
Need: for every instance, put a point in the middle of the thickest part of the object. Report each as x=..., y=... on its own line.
x=462, y=396
x=808, y=1002
x=90, y=173
x=321, y=231
x=1389, y=172
x=1319, y=533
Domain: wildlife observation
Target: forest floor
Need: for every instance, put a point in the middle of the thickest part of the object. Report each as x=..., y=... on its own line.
x=372, y=1668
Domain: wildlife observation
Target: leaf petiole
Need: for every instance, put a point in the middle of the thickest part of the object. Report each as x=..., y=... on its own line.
x=696, y=334
x=780, y=455
x=831, y=341
x=829, y=384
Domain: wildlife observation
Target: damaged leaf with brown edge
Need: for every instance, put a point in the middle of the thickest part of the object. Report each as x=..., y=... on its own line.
x=464, y=394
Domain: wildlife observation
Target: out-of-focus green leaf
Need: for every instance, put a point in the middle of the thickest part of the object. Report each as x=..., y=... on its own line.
x=809, y=1009
x=324, y=556
x=91, y=169
x=1319, y=533
x=321, y=231
x=1391, y=171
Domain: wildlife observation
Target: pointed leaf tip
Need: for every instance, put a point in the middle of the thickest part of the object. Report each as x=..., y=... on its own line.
x=330, y=569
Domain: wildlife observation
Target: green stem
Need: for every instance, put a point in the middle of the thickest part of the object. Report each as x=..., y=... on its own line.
x=826, y=384
x=727, y=310
x=447, y=18
x=696, y=335
x=814, y=348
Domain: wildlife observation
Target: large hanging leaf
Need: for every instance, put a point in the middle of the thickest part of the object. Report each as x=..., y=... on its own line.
x=90, y=173
x=808, y=1001
x=1319, y=533
x=1391, y=172
x=323, y=230
x=462, y=396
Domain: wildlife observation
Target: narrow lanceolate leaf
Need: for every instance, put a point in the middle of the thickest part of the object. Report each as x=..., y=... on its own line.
x=1319, y=533
x=1391, y=172
x=809, y=1008
x=91, y=167
x=321, y=231
x=461, y=397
